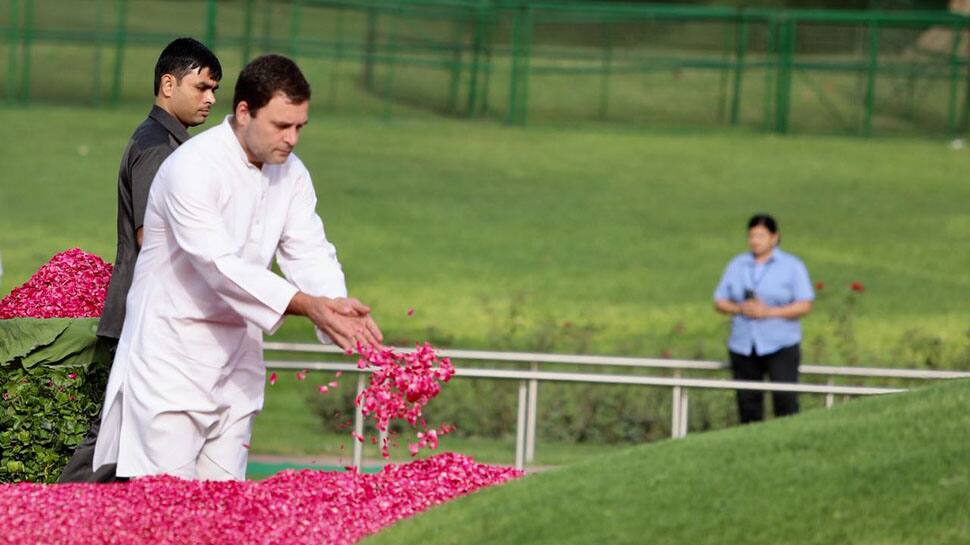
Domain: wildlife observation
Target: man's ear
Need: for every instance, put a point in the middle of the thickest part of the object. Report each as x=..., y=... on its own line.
x=166, y=85
x=242, y=113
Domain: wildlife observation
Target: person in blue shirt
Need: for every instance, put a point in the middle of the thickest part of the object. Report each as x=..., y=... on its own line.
x=765, y=291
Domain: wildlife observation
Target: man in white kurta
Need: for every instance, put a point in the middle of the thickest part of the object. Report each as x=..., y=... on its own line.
x=188, y=377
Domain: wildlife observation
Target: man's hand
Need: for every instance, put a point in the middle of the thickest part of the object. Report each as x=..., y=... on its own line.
x=346, y=321
x=755, y=308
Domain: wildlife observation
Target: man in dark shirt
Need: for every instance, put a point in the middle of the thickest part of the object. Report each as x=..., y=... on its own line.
x=187, y=75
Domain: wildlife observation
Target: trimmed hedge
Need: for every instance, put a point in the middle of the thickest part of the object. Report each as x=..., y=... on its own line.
x=52, y=378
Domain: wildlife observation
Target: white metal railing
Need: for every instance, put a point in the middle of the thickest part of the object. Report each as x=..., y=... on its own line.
x=529, y=380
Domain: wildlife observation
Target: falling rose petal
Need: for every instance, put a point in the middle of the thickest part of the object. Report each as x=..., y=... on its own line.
x=333, y=384
x=324, y=389
x=401, y=385
x=411, y=312
x=357, y=436
x=320, y=507
x=301, y=375
x=338, y=374
x=246, y=445
x=414, y=448
x=272, y=378
x=72, y=376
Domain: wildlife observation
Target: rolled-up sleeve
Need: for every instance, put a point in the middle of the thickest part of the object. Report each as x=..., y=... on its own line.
x=190, y=201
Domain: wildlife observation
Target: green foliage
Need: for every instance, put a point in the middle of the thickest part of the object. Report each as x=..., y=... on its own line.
x=48, y=396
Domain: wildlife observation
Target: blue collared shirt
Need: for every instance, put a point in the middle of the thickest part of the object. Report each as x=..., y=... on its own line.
x=782, y=280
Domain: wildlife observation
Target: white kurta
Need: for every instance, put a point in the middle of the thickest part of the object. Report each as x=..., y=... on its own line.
x=188, y=376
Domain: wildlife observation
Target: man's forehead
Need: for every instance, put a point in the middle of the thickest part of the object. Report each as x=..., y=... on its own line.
x=201, y=73
x=282, y=108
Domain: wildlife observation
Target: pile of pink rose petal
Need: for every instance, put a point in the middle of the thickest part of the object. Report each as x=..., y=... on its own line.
x=293, y=507
x=400, y=386
x=73, y=284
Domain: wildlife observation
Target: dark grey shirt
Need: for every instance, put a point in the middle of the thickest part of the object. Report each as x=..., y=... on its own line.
x=153, y=141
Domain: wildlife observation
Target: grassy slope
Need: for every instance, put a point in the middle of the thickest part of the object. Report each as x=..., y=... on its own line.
x=625, y=231
x=876, y=471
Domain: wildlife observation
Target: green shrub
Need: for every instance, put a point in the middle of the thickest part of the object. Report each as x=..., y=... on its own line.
x=52, y=379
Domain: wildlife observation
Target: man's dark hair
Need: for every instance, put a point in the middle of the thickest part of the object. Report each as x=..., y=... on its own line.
x=265, y=76
x=186, y=55
x=765, y=220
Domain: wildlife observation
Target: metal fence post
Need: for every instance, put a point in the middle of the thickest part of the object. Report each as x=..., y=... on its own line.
x=359, y=424
x=210, y=24
x=120, y=37
x=480, y=14
x=391, y=51
x=830, y=398
x=457, y=54
x=338, y=56
x=28, y=35
x=530, y=430
x=247, y=37
x=291, y=44
x=607, y=69
x=370, y=47
x=98, y=29
x=786, y=50
x=954, y=80
x=14, y=41
x=683, y=414
x=741, y=49
x=771, y=68
x=510, y=116
x=871, y=76
x=675, y=408
x=520, y=426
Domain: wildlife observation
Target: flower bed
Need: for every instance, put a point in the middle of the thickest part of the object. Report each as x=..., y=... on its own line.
x=293, y=507
x=52, y=368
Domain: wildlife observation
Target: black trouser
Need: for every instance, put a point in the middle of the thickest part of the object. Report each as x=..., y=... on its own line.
x=79, y=467
x=780, y=366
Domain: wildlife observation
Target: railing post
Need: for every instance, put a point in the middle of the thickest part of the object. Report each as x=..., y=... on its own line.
x=786, y=50
x=210, y=24
x=338, y=56
x=391, y=51
x=14, y=41
x=370, y=47
x=28, y=36
x=480, y=14
x=457, y=54
x=247, y=37
x=518, y=82
x=741, y=49
x=675, y=408
x=607, y=69
x=871, y=76
x=771, y=52
x=830, y=398
x=530, y=431
x=359, y=424
x=291, y=44
x=520, y=426
x=954, y=80
x=120, y=37
x=683, y=414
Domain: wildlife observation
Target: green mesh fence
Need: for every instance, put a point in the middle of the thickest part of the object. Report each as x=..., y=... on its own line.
x=858, y=73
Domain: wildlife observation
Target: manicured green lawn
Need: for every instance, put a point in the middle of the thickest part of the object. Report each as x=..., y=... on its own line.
x=603, y=241
x=875, y=471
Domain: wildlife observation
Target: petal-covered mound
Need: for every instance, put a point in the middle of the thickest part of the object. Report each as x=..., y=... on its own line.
x=293, y=507
x=73, y=284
